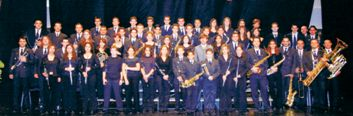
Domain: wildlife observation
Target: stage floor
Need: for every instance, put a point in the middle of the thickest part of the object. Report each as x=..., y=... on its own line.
x=251, y=112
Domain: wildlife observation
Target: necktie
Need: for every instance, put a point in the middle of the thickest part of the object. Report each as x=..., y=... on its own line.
x=37, y=34
x=258, y=52
x=275, y=35
x=294, y=41
x=21, y=51
x=57, y=34
x=210, y=61
x=192, y=62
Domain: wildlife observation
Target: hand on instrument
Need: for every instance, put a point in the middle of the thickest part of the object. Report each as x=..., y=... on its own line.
x=166, y=77
x=11, y=76
x=36, y=76
x=180, y=79
x=210, y=78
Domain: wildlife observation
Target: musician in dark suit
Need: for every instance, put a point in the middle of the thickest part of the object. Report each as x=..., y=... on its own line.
x=178, y=70
x=311, y=59
x=197, y=27
x=133, y=22
x=112, y=31
x=314, y=34
x=166, y=27
x=61, y=51
x=299, y=75
x=39, y=54
x=132, y=41
x=140, y=32
x=20, y=63
x=273, y=35
x=76, y=38
x=150, y=22
x=286, y=69
x=57, y=36
x=212, y=71
x=294, y=36
x=258, y=79
x=194, y=38
x=35, y=33
x=332, y=85
x=304, y=33
x=175, y=35
x=182, y=28
x=97, y=26
x=234, y=43
x=192, y=68
x=103, y=34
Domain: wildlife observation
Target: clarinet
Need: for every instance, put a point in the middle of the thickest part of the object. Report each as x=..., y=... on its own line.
x=46, y=71
x=230, y=61
x=70, y=68
x=86, y=71
x=161, y=71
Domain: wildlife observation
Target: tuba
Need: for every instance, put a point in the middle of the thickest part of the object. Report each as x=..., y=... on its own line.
x=338, y=62
x=322, y=64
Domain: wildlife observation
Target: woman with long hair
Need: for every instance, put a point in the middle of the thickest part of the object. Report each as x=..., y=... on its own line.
x=148, y=78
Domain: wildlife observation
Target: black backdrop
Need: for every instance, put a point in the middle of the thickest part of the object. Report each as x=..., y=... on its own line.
x=16, y=16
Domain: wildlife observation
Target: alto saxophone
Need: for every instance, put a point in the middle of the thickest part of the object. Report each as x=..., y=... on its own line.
x=140, y=49
x=322, y=64
x=291, y=93
x=270, y=72
x=190, y=82
x=257, y=64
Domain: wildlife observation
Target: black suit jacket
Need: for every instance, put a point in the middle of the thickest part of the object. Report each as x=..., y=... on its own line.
x=31, y=37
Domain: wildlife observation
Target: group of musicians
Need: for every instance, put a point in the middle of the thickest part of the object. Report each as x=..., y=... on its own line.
x=101, y=61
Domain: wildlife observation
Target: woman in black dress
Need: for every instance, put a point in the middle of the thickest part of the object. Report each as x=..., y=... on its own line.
x=89, y=65
x=49, y=68
x=164, y=76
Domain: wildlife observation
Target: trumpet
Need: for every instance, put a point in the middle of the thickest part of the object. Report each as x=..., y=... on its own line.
x=19, y=62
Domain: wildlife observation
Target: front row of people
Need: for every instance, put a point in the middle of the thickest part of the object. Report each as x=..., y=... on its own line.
x=224, y=77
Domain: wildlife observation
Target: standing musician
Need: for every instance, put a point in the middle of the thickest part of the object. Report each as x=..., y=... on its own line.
x=101, y=49
x=286, y=69
x=113, y=79
x=39, y=55
x=226, y=85
x=275, y=79
x=69, y=68
x=299, y=75
x=311, y=59
x=258, y=79
x=241, y=66
x=178, y=70
x=192, y=68
x=89, y=65
x=131, y=68
x=132, y=41
x=212, y=71
x=148, y=78
x=20, y=72
x=165, y=75
x=49, y=69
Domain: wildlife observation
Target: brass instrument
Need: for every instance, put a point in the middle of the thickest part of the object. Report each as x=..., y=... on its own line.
x=191, y=81
x=269, y=71
x=338, y=62
x=291, y=93
x=139, y=50
x=257, y=64
x=322, y=64
x=300, y=82
x=19, y=62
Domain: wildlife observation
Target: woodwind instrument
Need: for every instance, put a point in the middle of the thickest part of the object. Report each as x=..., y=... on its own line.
x=291, y=93
x=257, y=64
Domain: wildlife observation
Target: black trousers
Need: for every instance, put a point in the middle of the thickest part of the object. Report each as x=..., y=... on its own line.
x=319, y=92
x=50, y=86
x=88, y=92
x=277, y=89
x=69, y=93
x=21, y=93
x=132, y=93
x=148, y=93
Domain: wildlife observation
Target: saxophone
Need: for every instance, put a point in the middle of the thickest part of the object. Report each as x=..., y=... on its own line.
x=190, y=82
x=322, y=64
x=269, y=71
x=140, y=49
x=258, y=63
x=291, y=93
